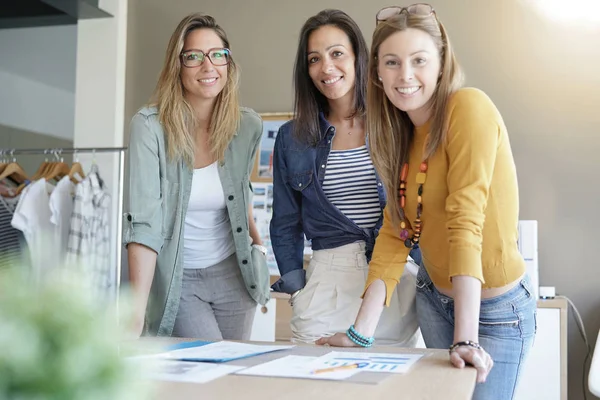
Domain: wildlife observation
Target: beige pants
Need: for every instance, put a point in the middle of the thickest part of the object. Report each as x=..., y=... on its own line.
x=329, y=303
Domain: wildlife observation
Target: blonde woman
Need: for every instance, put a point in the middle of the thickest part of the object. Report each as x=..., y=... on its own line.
x=445, y=154
x=196, y=264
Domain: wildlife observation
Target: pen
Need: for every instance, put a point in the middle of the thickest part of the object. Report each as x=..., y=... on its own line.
x=341, y=367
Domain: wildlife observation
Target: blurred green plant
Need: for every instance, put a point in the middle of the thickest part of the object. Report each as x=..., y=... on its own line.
x=56, y=342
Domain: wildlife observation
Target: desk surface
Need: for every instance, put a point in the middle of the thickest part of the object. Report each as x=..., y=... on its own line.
x=433, y=377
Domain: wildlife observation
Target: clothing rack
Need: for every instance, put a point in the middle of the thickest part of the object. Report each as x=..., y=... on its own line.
x=63, y=150
x=79, y=150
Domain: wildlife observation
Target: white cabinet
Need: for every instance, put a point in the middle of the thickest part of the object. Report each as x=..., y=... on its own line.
x=544, y=374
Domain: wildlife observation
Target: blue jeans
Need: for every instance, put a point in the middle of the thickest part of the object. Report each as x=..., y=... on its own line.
x=507, y=326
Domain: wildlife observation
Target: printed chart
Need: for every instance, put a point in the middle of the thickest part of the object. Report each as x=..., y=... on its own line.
x=376, y=362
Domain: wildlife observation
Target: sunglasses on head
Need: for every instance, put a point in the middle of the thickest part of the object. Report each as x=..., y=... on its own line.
x=421, y=9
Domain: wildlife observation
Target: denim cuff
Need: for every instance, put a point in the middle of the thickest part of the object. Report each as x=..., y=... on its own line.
x=290, y=282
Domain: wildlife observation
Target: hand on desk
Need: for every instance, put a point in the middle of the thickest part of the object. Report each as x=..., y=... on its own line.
x=478, y=358
x=337, y=340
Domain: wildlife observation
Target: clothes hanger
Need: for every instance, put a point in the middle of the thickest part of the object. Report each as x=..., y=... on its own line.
x=6, y=190
x=3, y=162
x=76, y=173
x=94, y=169
x=58, y=170
x=43, y=167
x=14, y=172
x=38, y=174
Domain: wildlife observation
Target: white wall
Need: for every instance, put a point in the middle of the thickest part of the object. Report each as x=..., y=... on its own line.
x=100, y=98
x=37, y=79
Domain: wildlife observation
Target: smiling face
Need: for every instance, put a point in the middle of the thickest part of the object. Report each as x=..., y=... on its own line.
x=331, y=62
x=205, y=81
x=409, y=66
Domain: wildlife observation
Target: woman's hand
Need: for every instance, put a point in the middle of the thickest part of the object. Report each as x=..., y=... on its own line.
x=337, y=340
x=478, y=358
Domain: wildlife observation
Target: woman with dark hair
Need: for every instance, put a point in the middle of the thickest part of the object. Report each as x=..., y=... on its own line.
x=325, y=187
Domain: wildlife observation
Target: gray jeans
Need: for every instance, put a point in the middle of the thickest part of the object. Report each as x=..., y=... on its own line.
x=215, y=304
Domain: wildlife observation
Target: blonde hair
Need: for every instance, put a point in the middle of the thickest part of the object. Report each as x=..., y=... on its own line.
x=175, y=112
x=390, y=129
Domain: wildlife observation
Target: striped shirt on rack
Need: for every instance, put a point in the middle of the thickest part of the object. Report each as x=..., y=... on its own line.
x=350, y=184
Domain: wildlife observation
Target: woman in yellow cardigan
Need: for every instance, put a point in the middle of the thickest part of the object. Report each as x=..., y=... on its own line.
x=443, y=152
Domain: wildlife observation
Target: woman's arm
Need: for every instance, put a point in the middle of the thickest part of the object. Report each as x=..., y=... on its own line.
x=142, y=263
x=474, y=135
x=467, y=301
x=287, y=236
x=385, y=269
x=143, y=219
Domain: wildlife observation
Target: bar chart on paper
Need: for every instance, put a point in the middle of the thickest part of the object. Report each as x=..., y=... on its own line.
x=376, y=362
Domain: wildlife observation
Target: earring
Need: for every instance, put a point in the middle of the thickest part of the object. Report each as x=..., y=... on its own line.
x=380, y=79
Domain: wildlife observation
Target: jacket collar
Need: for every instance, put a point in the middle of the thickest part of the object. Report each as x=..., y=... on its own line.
x=324, y=126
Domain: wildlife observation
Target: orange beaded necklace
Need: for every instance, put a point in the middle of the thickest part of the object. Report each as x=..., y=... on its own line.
x=420, y=180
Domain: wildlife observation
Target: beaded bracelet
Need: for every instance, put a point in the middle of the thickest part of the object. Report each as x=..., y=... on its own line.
x=359, y=339
x=468, y=343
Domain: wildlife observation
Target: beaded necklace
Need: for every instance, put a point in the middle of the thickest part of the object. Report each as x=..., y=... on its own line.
x=420, y=180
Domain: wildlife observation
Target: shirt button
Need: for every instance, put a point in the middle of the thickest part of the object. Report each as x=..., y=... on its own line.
x=379, y=184
x=299, y=185
x=230, y=197
x=329, y=141
x=254, y=287
x=239, y=229
x=323, y=166
x=244, y=262
x=129, y=218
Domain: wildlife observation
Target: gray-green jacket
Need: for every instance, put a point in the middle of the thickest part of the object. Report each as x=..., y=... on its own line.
x=159, y=192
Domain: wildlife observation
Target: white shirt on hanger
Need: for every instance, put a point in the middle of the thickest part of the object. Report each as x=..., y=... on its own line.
x=61, y=207
x=32, y=217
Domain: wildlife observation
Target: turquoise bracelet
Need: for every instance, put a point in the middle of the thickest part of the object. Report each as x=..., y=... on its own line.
x=361, y=344
x=359, y=339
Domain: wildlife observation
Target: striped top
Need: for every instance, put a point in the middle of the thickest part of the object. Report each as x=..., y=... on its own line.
x=11, y=239
x=350, y=184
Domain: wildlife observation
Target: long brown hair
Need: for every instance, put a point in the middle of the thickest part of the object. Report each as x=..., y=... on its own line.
x=390, y=130
x=308, y=100
x=175, y=112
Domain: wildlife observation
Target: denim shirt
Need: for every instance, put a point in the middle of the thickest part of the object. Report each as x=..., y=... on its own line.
x=300, y=206
x=159, y=192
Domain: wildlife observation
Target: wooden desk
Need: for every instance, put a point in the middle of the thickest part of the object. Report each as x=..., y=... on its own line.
x=433, y=377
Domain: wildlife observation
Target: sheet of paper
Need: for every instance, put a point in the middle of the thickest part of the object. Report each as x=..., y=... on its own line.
x=295, y=367
x=193, y=372
x=222, y=351
x=396, y=363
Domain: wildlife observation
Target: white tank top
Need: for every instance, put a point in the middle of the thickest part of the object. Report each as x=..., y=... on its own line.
x=207, y=238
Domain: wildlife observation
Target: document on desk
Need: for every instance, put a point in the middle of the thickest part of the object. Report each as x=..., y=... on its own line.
x=396, y=363
x=193, y=372
x=296, y=367
x=218, y=352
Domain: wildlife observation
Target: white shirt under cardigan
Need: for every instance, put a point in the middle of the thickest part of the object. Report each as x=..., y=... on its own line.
x=207, y=237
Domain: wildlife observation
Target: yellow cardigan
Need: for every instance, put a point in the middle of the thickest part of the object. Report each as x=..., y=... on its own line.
x=470, y=203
